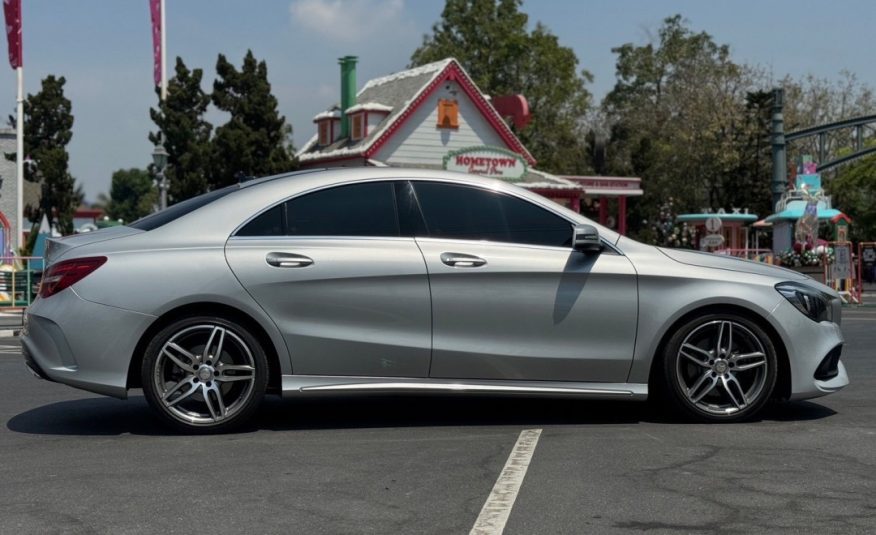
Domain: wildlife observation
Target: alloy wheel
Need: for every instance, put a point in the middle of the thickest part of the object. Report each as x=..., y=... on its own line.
x=722, y=367
x=204, y=374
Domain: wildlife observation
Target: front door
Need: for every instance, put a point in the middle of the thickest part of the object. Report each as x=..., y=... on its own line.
x=512, y=300
x=350, y=295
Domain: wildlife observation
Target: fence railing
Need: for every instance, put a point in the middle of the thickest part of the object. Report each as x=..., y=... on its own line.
x=19, y=280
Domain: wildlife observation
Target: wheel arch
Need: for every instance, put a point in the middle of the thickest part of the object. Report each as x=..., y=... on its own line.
x=206, y=308
x=783, y=378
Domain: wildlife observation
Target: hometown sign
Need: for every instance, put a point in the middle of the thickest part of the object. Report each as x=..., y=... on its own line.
x=486, y=161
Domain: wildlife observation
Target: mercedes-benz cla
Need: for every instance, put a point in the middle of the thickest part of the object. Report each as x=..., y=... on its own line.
x=401, y=280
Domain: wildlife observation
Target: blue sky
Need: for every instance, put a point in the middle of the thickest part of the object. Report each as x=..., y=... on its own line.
x=103, y=48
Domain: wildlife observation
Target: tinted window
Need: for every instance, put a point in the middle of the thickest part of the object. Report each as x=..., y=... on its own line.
x=269, y=223
x=180, y=209
x=356, y=210
x=468, y=213
x=409, y=216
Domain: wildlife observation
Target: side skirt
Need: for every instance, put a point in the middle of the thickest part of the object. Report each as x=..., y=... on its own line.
x=299, y=385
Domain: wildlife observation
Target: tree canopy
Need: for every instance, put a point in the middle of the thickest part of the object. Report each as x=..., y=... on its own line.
x=492, y=40
x=48, y=128
x=256, y=139
x=185, y=133
x=132, y=195
x=690, y=121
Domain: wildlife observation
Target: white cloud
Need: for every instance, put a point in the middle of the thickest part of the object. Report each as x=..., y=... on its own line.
x=347, y=21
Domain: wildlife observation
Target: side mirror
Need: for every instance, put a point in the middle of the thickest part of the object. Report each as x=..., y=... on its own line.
x=585, y=239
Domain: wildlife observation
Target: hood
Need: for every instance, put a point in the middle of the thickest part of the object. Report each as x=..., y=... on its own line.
x=57, y=247
x=710, y=260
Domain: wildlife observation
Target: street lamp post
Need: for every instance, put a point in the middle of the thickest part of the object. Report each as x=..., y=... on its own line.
x=159, y=158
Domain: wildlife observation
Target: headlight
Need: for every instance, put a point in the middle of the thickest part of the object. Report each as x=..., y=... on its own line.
x=814, y=304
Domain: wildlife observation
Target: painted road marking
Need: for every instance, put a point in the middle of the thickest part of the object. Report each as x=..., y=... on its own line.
x=497, y=508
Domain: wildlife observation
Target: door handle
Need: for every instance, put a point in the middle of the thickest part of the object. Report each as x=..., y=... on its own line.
x=287, y=260
x=462, y=260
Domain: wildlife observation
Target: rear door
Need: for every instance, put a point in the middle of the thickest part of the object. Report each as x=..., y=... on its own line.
x=512, y=300
x=348, y=292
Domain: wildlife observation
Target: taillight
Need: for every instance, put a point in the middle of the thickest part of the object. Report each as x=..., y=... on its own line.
x=67, y=273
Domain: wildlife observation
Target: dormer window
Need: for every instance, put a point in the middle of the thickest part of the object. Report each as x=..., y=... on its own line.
x=327, y=126
x=364, y=118
x=358, y=126
x=325, y=133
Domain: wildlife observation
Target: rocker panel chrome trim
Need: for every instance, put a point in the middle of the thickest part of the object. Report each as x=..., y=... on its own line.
x=297, y=385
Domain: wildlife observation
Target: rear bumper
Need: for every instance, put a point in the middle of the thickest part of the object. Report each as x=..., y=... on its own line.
x=86, y=345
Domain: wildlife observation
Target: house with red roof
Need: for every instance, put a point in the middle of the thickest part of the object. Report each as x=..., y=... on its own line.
x=433, y=116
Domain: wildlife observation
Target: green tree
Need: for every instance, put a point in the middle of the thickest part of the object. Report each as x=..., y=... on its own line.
x=256, y=139
x=132, y=195
x=686, y=118
x=185, y=133
x=48, y=128
x=492, y=41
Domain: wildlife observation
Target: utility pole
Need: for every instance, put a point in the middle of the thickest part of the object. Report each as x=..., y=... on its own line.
x=780, y=155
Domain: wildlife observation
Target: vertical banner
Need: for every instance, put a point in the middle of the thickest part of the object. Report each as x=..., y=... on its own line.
x=12, y=11
x=155, y=11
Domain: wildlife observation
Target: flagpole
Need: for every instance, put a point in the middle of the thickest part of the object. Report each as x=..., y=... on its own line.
x=19, y=161
x=163, y=54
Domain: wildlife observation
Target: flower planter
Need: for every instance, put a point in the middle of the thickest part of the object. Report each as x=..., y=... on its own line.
x=816, y=272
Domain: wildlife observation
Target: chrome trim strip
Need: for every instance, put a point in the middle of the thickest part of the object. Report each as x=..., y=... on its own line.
x=294, y=385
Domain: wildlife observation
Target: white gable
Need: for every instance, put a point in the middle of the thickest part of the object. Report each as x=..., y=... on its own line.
x=419, y=141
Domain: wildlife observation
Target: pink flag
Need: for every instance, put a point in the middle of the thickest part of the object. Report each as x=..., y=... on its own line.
x=12, y=10
x=155, y=10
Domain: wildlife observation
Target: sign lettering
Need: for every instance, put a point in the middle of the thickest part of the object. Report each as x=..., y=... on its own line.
x=487, y=161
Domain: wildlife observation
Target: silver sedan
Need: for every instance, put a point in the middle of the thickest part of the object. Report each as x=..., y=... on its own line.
x=401, y=280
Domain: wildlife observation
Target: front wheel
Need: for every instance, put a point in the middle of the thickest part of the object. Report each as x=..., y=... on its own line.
x=204, y=374
x=720, y=368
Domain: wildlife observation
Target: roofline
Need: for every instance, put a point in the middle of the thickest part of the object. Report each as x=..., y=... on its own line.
x=451, y=71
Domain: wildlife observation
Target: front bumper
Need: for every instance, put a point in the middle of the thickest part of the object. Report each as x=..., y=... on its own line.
x=86, y=345
x=808, y=344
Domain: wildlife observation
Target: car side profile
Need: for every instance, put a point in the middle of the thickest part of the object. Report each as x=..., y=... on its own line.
x=411, y=280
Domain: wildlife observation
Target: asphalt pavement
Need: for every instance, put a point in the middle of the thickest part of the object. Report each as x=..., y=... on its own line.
x=72, y=462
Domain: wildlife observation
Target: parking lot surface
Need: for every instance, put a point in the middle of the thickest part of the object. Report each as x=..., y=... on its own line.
x=73, y=462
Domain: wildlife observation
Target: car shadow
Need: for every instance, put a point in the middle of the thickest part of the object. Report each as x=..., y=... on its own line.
x=107, y=416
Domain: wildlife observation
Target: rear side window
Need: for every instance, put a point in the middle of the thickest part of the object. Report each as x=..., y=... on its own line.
x=470, y=213
x=355, y=210
x=270, y=223
x=153, y=221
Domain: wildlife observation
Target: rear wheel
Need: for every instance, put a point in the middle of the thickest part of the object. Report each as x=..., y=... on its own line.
x=720, y=368
x=204, y=374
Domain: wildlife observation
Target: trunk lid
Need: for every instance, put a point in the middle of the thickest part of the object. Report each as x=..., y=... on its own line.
x=57, y=247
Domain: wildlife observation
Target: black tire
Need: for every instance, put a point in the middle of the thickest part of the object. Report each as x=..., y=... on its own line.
x=738, y=386
x=197, y=393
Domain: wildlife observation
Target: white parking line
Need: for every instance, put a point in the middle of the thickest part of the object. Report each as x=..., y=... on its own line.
x=497, y=508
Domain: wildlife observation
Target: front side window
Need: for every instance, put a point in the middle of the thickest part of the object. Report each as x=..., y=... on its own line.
x=470, y=213
x=355, y=210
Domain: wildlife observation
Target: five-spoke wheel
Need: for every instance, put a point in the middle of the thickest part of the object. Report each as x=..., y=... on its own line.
x=720, y=367
x=204, y=374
